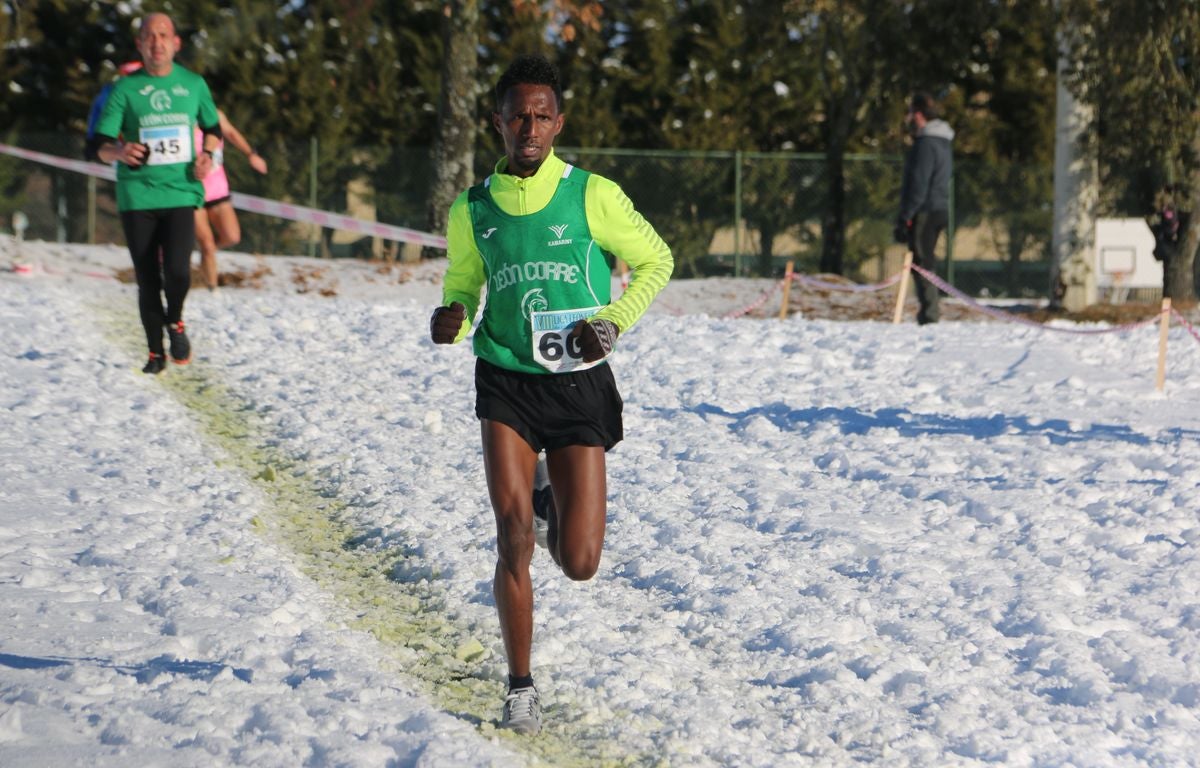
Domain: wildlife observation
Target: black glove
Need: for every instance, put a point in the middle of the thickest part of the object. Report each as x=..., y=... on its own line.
x=446, y=323
x=902, y=230
x=596, y=338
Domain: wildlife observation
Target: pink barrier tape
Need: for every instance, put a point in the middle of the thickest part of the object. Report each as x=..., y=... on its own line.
x=813, y=282
x=999, y=315
x=86, y=273
x=254, y=204
x=335, y=221
x=1186, y=324
x=79, y=166
x=755, y=304
x=31, y=270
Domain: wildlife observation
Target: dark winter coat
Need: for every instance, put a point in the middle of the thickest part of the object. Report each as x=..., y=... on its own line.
x=927, y=170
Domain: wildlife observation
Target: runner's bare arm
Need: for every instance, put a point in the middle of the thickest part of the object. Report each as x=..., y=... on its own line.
x=235, y=137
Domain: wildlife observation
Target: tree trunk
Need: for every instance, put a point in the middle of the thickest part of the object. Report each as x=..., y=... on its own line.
x=1186, y=275
x=833, y=222
x=454, y=145
x=766, y=255
x=1076, y=190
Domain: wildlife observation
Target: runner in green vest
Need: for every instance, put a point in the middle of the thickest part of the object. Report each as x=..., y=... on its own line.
x=159, y=176
x=539, y=234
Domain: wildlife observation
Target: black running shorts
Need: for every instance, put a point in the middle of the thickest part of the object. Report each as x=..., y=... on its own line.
x=552, y=410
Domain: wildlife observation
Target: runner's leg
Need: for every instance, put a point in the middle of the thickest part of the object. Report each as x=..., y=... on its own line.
x=206, y=242
x=225, y=224
x=578, y=478
x=178, y=227
x=141, y=230
x=509, y=464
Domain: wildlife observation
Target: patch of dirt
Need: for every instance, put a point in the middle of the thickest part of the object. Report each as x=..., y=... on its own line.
x=240, y=278
x=237, y=278
x=309, y=279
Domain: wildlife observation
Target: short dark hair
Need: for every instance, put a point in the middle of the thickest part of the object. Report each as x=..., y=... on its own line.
x=922, y=102
x=529, y=69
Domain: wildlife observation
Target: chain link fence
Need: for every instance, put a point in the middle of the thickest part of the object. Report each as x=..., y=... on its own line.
x=723, y=213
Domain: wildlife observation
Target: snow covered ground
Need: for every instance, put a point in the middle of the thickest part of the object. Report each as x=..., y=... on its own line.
x=829, y=543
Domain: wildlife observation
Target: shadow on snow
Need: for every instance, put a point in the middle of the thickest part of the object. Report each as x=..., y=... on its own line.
x=852, y=421
x=144, y=673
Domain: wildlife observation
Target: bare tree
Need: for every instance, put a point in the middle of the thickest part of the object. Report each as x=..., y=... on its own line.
x=454, y=143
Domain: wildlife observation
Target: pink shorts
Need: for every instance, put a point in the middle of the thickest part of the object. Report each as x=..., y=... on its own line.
x=216, y=183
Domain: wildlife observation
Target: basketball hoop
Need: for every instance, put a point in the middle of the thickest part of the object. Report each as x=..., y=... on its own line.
x=1117, y=265
x=1119, y=292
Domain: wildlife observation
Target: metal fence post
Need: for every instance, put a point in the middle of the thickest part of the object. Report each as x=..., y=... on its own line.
x=60, y=224
x=91, y=213
x=315, y=231
x=950, y=236
x=737, y=213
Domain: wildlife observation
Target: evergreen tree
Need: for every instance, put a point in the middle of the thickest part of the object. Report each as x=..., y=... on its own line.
x=1011, y=80
x=779, y=99
x=676, y=79
x=348, y=78
x=856, y=44
x=1141, y=71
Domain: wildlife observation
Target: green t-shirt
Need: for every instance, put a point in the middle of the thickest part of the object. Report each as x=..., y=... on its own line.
x=159, y=112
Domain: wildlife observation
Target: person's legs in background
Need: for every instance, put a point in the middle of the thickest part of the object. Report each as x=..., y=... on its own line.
x=926, y=229
x=207, y=245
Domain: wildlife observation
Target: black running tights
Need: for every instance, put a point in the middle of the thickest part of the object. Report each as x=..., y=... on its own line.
x=161, y=243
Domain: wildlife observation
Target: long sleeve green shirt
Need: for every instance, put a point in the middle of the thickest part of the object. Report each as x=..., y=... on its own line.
x=614, y=223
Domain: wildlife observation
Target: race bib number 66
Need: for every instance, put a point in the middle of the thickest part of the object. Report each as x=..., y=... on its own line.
x=552, y=347
x=167, y=144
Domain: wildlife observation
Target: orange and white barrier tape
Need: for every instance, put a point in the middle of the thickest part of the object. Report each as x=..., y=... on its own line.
x=1190, y=328
x=1000, y=315
x=754, y=304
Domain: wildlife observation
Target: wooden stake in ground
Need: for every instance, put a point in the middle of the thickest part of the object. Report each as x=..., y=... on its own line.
x=902, y=292
x=787, y=290
x=1164, y=323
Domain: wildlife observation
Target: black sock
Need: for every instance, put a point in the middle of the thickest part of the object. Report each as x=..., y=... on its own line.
x=519, y=682
x=543, y=502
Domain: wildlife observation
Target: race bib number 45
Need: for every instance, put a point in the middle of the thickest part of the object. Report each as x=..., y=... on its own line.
x=552, y=347
x=167, y=144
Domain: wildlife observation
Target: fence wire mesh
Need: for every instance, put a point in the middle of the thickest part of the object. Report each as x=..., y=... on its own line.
x=723, y=213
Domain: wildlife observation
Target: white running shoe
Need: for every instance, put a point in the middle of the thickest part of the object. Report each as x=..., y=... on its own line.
x=543, y=500
x=522, y=711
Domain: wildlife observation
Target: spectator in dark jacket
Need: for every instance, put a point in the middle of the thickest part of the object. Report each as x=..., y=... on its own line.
x=925, y=195
x=1169, y=228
